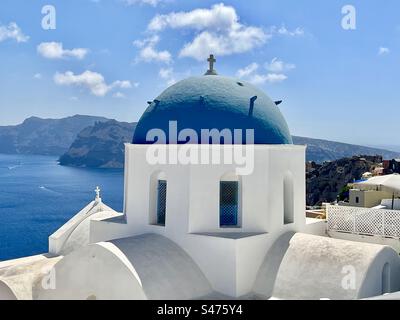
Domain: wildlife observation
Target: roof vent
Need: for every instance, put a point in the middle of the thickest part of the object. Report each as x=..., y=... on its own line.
x=252, y=100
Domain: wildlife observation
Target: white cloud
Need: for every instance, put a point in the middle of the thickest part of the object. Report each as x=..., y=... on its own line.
x=153, y=3
x=218, y=31
x=166, y=72
x=383, y=51
x=219, y=17
x=55, y=50
x=168, y=75
x=286, y=32
x=148, y=53
x=236, y=41
x=246, y=71
x=269, y=78
x=37, y=76
x=121, y=84
x=93, y=81
x=119, y=95
x=275, y=72
x=12, y=31
x=278, y=66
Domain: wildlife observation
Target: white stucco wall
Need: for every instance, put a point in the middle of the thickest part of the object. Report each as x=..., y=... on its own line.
x=315, y=226
x=394, y=243
x=196, y=189
x=266, y=275
x=80, y=235
x=164, y=269
x=75, y=232
x=192, y=219
x=230, y=258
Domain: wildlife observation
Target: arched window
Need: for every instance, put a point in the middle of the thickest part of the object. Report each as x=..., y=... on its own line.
x=161, y=201
x=229, y=201
x=386, y=278
x=158, y=198
x=288, y=200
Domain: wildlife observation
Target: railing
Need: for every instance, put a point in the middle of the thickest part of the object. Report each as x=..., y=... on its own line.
x=364, y=221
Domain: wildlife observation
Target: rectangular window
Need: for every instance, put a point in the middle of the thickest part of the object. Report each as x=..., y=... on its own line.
x=161, y=201
x=228, y=203
x=357, y=200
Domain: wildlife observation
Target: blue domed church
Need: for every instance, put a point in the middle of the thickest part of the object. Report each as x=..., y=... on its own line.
x=214, y=208
x=215, y=102
x=211, y=171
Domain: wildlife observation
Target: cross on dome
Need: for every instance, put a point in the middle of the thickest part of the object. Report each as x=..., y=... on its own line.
x=211, y=60
x=97, y=190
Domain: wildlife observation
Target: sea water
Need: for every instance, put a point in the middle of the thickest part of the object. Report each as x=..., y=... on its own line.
x=37, y=196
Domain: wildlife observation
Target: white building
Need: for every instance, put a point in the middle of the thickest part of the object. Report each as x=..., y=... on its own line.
x=199, y=229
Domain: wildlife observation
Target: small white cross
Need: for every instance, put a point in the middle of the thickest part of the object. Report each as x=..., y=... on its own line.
x=97, y=190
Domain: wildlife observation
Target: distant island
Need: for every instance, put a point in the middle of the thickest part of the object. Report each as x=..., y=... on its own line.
x=88, y=141
x=44, y=136
x=100, y=145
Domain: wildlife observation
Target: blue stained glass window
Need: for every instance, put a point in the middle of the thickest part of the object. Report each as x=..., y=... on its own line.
x=161, y=201
x=228, y=203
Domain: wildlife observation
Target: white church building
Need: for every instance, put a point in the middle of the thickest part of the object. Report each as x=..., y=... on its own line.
x=197, y=223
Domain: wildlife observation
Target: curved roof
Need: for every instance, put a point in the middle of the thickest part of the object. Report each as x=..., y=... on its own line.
x=75, y=233
x=147, y=266
x=6, y=292
x=316, y=267
x=80, y=236
x=214, y=102
x=18, y=277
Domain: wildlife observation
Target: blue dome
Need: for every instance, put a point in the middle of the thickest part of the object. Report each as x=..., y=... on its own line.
x=215, y=102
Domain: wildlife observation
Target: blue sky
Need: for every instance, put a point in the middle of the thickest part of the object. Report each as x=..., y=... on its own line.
x=108, y=57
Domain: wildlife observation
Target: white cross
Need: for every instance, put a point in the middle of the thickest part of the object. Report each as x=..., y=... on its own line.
x=211, y=61
x=97, y=190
